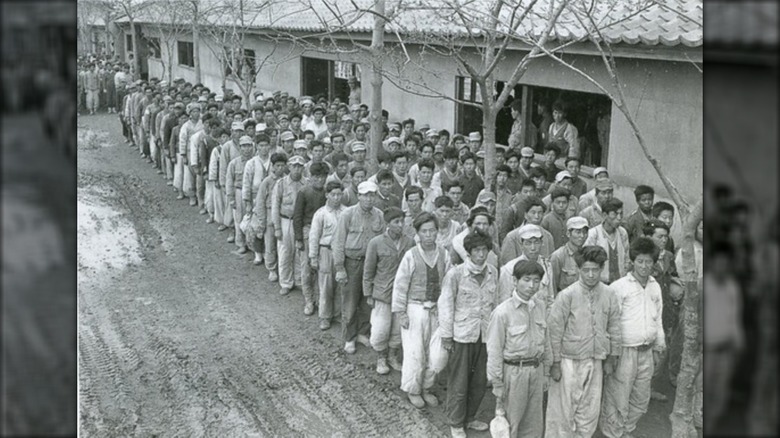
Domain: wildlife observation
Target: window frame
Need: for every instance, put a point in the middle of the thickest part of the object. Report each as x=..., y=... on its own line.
x=189, y=50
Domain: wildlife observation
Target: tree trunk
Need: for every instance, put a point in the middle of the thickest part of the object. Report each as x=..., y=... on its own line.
x=196, y=44
x=488, y=129
x=682, y=414
x=377, y=43
x=136, y=63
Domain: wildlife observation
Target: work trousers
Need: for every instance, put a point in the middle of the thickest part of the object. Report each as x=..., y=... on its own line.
x=93, y=100
x=188, y=182
x=125, y=127
x=355, y=313
x=523, y=395
x=270, y=247
x=178, y=173
x=200, y=186
x=153, y=152
x=416, y=372
x=719, y=365
x=466, y=381
x=574, y=402
x=289, y=256
x=385, y=330
x=228, y=217
x=626, y=392
x=308, y=279
x=147, y=150
x=238, y=214
x=215, y=201
x=138, y=133
x=330, y=295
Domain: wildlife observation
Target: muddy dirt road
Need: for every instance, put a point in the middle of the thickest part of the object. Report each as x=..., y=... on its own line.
x=180, y=337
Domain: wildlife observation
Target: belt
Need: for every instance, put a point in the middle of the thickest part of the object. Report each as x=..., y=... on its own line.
x=324, y=246
x=285, y=217
x=644, y=347
x=523, y=362
x=359, y=259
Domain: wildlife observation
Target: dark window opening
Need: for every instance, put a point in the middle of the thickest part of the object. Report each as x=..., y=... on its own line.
x=469, y=118
x=186, y=52
x=324, y=78
x=129, y=42
x=155, y=50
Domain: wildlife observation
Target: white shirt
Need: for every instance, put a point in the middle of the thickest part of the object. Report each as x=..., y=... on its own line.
x=640, y=312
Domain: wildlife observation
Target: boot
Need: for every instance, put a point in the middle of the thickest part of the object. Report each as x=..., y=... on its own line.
x=393, y=360
x=381, y=364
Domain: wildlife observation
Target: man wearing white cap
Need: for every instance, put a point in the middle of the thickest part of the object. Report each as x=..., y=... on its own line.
x=307, y=103
x=564, y=268
x=530, y=237
x=589, y=197
x=316, y=125
x=233, y=186
x=193, y=125
x=563, y=179
x=593, y=213
x=526, y=158
x=475, y=142
x=533, y=212
x=200, y=146
x=357, y=225
x=230, y=151
x=282, y=209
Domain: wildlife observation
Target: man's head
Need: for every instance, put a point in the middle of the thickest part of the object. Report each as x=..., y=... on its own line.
x=295, y=164
x=247, y=146
x=573, y=166
x=577, y=230
x=444, y=206
x=534, y=210
x=319, y=173
x=385, y=179
x=478, y=245
x=551, y=153
x=526, y=157
x=502, y=175
x=341, y=163
x=479, y=219
x=451, y=158
x=643, y=254
x=367, y=194
x=414, y=198
x=358, y=175
x=278, y=164
x=454, y=191
x=427, y=227
x=644, y=195
x=590, y=262
x=664, y=212
x=333, y=190
x=394, y=218
x=559, y=200
x=528, y=275
x=359, y=151
x=657, y=231
x=425, y=171
x=613, y=212
x=530, y=240
x=317, y=150
x=400, y=163
x=604, y=192
x=563, y=179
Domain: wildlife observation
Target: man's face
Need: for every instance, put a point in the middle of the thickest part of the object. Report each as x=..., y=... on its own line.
x=247, y=150
x=539, y=181
x=411, y=147
x=534, y=215
x=392, y=147
x=474, y=145
x=590, y=274
x=332, y=125
x=358, y=178
x=481, y=223
x=513, y=163
x=359, y=156
x=360, y=132
x=400, y=165
x=287, y=145
x=577, y=236
x=318, y=117
x=451, y=163
x=318, y=181
x=396, y=225
x=643, y=265
x=667, y=217
x=525, y=162
x=574, y=168
x=660, y=237
x=317, y=152
x=479, y=254
x=603, y=196
x=341, y=168
x=443, y=213
x=645, y=202
x=296, y=171
x=455, y=194
x=213, y=111
x=284, y=124
x=613, y=218
x=367, y=200
x=565, y=183
x=268, y=117
x=427, y=233
x=527, y=191
x=531, y=247
x=295, y=123
x=195, y=114
x=279, y=168
x=385, y=186
x=306, y=107
x=549, y=157
x=408, y=129
x=414, y=202
x=334, y=198
x=263, y=148
x=559, y=205
x=426, y=153
x=346, y=126
x=425, y=175
x=469, y=166
x=557, y=116
x=527, y=285
x=223, y=138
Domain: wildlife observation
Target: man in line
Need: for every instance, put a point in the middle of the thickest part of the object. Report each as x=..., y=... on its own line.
x=283, y=199
x=585, y=337
x=193, y=125
x=357, y=225
x=555, y=220
x=255, y=172
x=230, y=151
x=564, y=267
x=635, y=222
x=234, y=183
x=594, y=213
x=613, y=239
x=323, y=226
x=308, y=201
x=263, y=210
x=511, y=247
x=383, y=256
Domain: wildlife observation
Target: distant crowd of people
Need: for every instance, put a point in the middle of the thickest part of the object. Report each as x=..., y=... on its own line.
x=535, y=284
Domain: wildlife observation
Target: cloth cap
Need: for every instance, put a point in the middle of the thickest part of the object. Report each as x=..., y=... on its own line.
x=367, y=187
x=365, y=121
x=599, y=170
x=432, y=133
x=219, y=98
x=177, y=80
x=178, y=105
x=167, y=99
x=475, y=136
x=485, y=196
x=527, y=152
x=259, y=97
x=346, y=117
x=300, y=144
x=393, y=140
x=236, y=126
x=203, y=99
x=576, y=223
x=296, y=159
x=605, y=184
x=192, y=106
x=354, y=107
x=501, y=147
x=358, y=146
x=260, y=127
x=318, y=108
x=394, y=126
x=287, y=135
x=561, y=175
x=245, y=139
x=481, y=154
x=331, y=117
x=306, y=99
x=529, y=231
x=424, y=126
x=283, y=116
x=438, y=149
x=393, y=213
x=163, y=84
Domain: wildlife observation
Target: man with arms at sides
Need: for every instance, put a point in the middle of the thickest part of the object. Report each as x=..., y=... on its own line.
x=613, y=239
x=308, y=201
x=635, y=222
x=511, y=247
x=283, y=198
x=262, y=210
x=564, y=267
x=323, y=225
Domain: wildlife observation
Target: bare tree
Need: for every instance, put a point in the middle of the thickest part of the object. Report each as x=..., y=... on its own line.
x=89, y=14
x=682, y=416
x=130, y=9
x=172, y=19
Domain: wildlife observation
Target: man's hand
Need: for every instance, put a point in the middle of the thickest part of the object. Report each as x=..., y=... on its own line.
x=555, y=371
x=232, y=204
x=446, y=343
x=278, y=234
x=656, y=358
x=313, y=263
x=500, y=411
x=370, y=302
x=341, y=276
x=403, y=319
x=609, y=365
x=247, y=206
x=299, y=245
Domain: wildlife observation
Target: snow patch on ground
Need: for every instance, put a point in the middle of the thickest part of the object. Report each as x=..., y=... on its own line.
x=107, y=239
x=92, y=139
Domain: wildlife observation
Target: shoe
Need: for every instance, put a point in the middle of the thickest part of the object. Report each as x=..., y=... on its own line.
x=193, y=203
x=169, y=183
x=477, y=425
x=258, y=260
x=231, y=239
x=210, y=220
x=457, y=432
x=417, y=401
x=349, y=347
x=308, y=309
x=273, y=277
x=657, y=396
x=221, y=227
x=242, y=250
x=363, y=340
x=159, y=172
x=284, y=291
x=324, y=324
x=202, y=211
x=430, y=399
x=180, y=197
x=381, y=366
x=393, y=360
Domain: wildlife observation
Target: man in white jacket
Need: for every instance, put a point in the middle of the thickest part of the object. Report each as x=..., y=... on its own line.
x=611, y=236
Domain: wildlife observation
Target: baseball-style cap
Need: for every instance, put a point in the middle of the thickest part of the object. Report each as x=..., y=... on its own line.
x=296, y=160
x=485, y=196
x=432, y=133
x=394, y=126
x=178, y=105
x=438, y=149
x=354, y=107
x=424, y=126
x=219, y=98
x=167, y=99
x=306, y=99
x=236, y=126
x=300, y=144
x=192, y=106
x=260, y=127
x=358, y=146
x=480, y=154
x=203, y=99
x=604, y=184
x=501, y=147
x=561, y=175
x=527, y=152
x=287, y=135
x=529, y=231
x=576, y=223
x=283, y=116
x=393, y=140
x=475, y=136
x=245, y=139
x=346, y=117
x=600, y=170
x=318, y=108
x=367, y=187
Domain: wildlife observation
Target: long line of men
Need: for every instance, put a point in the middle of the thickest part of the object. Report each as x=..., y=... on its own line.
x=530, y=284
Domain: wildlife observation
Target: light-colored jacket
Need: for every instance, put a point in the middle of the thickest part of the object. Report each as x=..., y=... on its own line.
x=254, y=174
x=465, y=304
x=640, y=312
x=597, y=236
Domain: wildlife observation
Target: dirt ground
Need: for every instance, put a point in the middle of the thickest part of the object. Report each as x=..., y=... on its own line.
x=180, y=337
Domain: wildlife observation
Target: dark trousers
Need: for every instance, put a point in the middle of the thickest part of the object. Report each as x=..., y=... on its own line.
x=466, y=381
x=355, y=313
